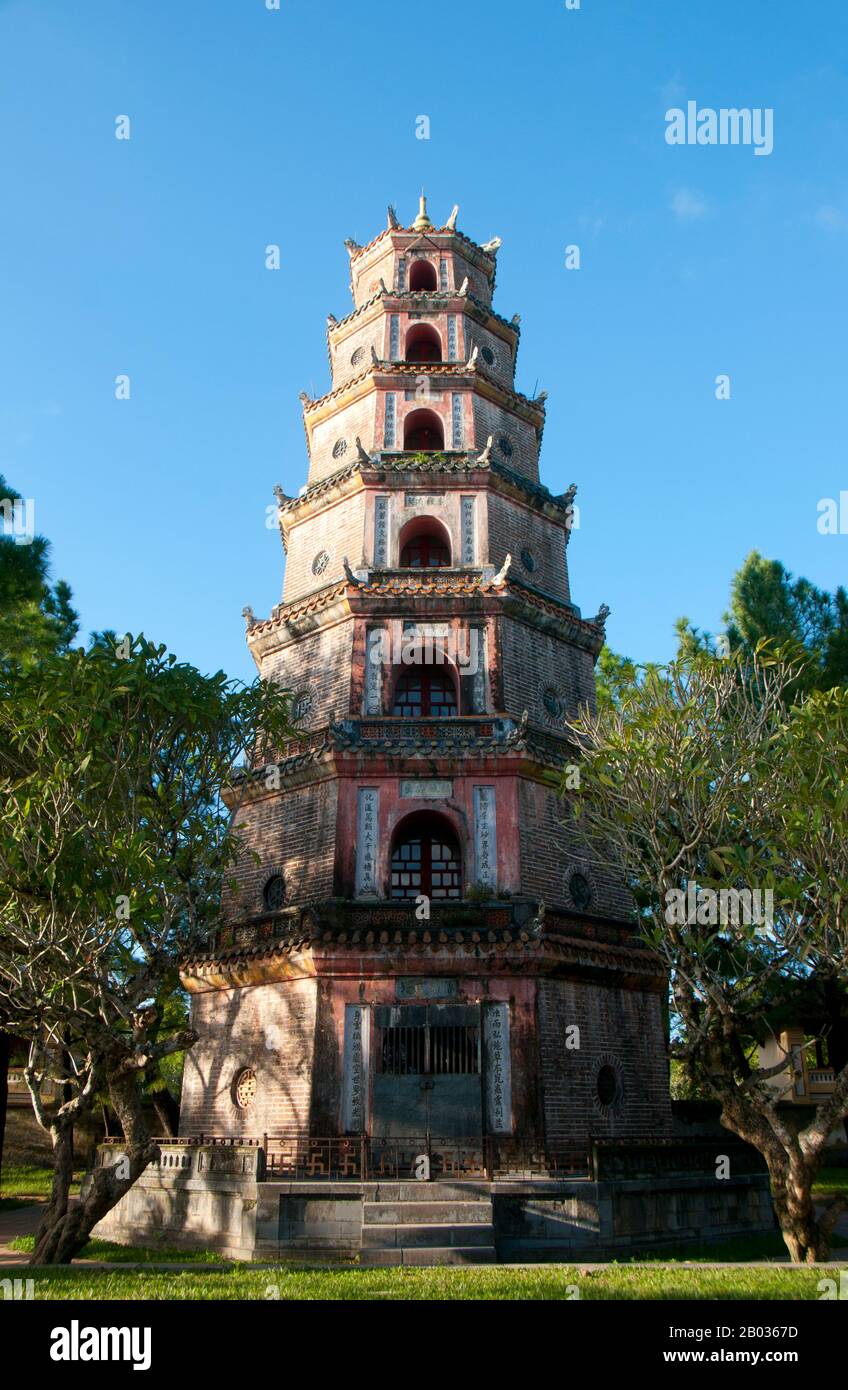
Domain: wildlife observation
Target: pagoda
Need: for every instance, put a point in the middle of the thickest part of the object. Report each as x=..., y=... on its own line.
x=421, y=957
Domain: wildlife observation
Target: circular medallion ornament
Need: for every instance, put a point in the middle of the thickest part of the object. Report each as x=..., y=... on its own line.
x=357, y=356
x=301, y=705
x=553, y=703
x=488, y=356
x=608, y=1086
x=580, y=890
x=528, y=560
x=320, y=563
x=505, y=446
x=274, y=893
x=339, y=448
x=244, y=1089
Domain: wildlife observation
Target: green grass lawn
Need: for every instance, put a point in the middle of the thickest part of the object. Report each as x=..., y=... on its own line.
x=830, y=1181
x=769, y=1246
x=501, y=1282
x=27, y=1180
x=109, y=1253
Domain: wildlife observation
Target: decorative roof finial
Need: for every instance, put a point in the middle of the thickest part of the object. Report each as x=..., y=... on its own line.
x=451, y=222
x=392, y=215
x=422, y=222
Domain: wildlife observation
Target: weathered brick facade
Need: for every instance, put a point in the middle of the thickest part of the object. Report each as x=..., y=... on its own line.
x=269, y=1029
x=414, y=902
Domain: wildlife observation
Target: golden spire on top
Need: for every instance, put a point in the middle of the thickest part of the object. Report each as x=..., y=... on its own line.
x=422, y=221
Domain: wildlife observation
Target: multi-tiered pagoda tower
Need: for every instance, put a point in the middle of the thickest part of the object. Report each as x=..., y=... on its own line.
x=421, y=947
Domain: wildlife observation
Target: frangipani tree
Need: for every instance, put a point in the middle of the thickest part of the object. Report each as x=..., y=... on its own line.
x=709, y=789
x=114, y=846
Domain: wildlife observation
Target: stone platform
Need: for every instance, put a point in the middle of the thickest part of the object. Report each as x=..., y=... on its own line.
x=218, y=1199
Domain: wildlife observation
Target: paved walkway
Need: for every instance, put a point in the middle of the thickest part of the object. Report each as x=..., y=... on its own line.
x=20, y=1222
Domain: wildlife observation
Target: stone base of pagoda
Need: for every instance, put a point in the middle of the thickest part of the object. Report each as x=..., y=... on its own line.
x=231, y=1209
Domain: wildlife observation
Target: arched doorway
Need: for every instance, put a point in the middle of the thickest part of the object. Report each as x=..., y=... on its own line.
x=424, y=543
x=426, y=858
x=423, y=344
x=424, y=431
x=422, y=276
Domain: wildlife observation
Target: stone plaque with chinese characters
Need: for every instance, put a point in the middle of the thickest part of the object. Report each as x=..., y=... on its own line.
x=485, y=839
x=425, y=499
x=469, y=548
x=480, y=678
x=381, y=532
x=498, y=1087
x=374, y=670
x=355, y=1094
x=367, y=819
x=426, y=987
x=434, y=789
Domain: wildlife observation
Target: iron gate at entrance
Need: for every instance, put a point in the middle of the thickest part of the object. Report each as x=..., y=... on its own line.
x=427, y=1071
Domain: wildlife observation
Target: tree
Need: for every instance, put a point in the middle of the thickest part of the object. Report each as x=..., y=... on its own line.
x=115, y=844
x=614, y=675
x=702, y=783
x=36, y=618
x=766, y=603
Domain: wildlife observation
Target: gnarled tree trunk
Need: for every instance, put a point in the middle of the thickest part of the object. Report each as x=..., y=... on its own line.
x=65, y=1229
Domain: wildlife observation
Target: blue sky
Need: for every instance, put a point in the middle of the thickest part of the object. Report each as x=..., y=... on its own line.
x=297, y=127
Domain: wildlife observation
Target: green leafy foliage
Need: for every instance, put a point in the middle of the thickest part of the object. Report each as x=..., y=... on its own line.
x=36, y=617
x=767, y=603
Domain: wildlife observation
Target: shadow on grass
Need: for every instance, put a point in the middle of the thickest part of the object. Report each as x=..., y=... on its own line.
x=105, y=1252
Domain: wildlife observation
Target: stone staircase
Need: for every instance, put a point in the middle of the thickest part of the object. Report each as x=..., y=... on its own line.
x=427, y=1223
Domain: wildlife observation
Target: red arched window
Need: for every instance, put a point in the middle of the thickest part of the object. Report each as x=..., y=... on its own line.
x=425, y=692
x=423, y=344
x=426, y=551
x=426, y=859
x=423, y=430
x=422, y=276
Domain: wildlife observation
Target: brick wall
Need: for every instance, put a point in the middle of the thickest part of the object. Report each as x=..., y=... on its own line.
x=550, y=850
x=494, y=420
x=502, y=369
x=534, y=662
x=619, y=1028
x=358, y=338
x=356, y=418
x=318, y=664
x=369, y=269
x=293, y=831
x=478, y=283
x=513, y=529
x=267, y=1028
x=338, y=529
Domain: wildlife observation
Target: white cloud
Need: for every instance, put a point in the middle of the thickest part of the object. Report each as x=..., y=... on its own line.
x=672, y=90
x=687, y=205
x=833, y=218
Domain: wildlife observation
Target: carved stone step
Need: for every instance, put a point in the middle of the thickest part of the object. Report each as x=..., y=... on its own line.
x=463, y=1234
x=427, y=1192
x=434, y=1255
x=409, y=1213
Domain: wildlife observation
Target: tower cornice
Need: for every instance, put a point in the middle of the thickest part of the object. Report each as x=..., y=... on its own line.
x=405, y=236
x=381, y=373
x=466, y=594
x=439, y=299
x=460, y=470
